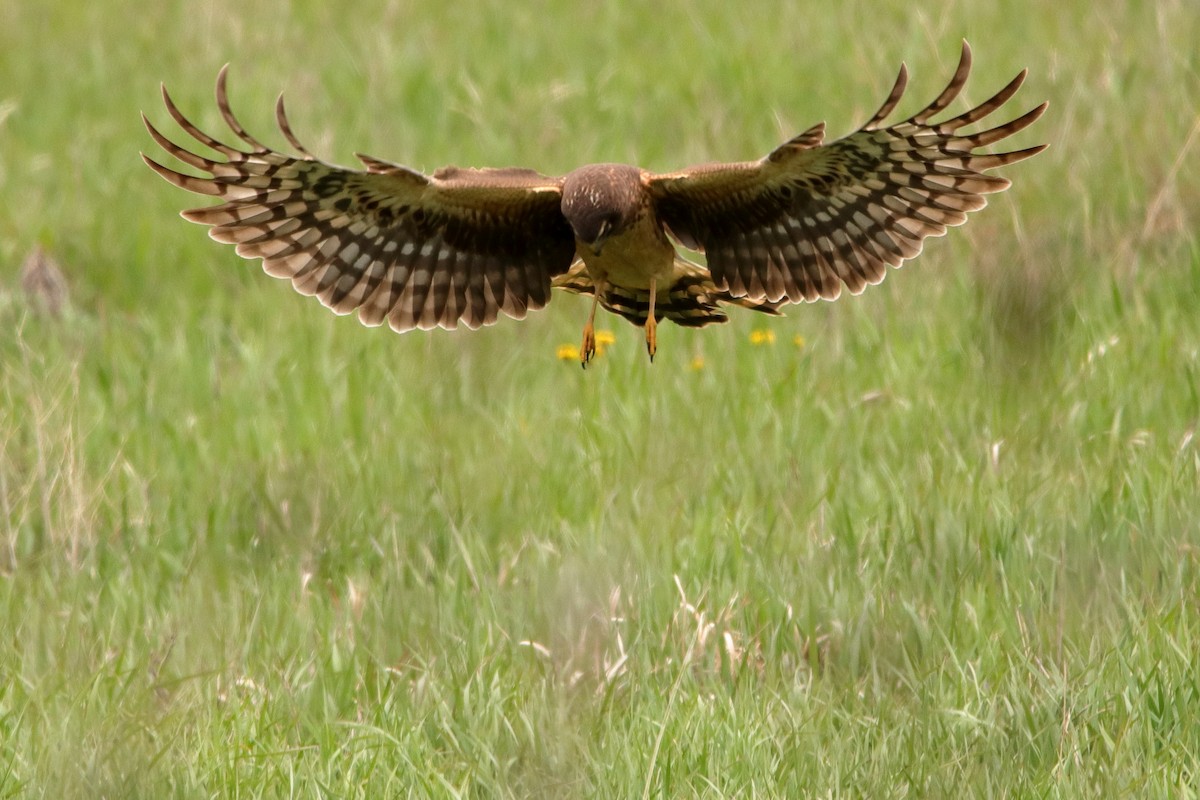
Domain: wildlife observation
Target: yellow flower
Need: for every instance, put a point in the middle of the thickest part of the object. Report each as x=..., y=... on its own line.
x=799, y=341
x=762, y=336
x=698, y=363
x=570, y=352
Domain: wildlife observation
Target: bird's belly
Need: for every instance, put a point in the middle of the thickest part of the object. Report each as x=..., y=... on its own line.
x=631, y=261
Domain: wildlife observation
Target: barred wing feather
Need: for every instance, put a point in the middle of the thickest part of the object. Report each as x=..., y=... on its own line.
x=417, y=251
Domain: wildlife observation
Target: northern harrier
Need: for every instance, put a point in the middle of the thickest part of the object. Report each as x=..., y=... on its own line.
x=463, y=245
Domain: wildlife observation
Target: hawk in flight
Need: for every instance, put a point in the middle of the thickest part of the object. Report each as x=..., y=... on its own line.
x=462, y=246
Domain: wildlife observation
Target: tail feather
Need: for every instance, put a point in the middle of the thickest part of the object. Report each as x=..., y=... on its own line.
x=693, y=301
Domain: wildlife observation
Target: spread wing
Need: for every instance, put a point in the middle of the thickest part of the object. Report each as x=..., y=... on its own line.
x=809, y=218
x=418, y=251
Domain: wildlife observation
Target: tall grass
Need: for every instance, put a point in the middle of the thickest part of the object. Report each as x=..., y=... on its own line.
x=940, y=539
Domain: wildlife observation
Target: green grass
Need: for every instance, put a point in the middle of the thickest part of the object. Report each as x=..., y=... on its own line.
x=949, y=546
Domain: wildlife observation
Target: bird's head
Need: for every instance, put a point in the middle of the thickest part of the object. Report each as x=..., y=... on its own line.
x=600, y=201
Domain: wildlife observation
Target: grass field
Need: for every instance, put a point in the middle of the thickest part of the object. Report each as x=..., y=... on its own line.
x=940, y=540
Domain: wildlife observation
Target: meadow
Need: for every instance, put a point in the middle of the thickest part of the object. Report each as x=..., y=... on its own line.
x=939, y=540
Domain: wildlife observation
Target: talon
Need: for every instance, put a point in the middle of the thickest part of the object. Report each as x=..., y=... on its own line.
x=588, y=348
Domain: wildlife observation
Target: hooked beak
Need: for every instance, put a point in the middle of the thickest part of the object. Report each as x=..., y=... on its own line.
x=601, y=237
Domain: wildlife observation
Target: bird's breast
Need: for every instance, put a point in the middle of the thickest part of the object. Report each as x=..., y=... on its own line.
x=630, y=259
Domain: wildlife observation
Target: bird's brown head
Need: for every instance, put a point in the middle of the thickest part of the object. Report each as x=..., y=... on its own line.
x=601, y=200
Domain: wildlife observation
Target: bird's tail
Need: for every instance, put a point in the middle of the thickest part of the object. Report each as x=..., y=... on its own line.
x=692, y=301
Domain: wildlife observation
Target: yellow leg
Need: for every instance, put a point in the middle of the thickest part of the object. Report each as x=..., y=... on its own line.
x=588, y=348
x=651, y=325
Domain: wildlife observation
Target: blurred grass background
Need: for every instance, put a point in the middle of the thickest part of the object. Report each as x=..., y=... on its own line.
x=940, y=539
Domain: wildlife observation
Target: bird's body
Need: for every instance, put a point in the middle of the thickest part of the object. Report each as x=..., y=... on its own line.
x=619, y=240
x=466, y=245
x=634, y=254
x=626, y=260
x=632, y=258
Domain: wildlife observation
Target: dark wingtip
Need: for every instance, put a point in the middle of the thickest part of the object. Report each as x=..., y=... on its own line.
x=893, y=99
